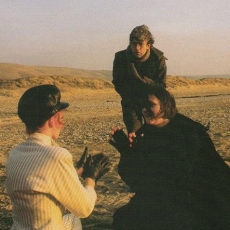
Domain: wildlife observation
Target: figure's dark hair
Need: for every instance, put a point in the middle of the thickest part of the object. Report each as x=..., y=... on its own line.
x=141, y=33
x=167, y=100
x=34, y=127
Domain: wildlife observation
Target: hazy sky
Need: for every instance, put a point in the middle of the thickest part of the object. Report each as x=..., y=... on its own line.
x=193, y=34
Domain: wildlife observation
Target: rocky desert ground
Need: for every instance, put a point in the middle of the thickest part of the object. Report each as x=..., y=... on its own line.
x=92, y=113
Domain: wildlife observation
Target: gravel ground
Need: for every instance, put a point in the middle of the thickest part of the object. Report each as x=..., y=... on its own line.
x=88, y=122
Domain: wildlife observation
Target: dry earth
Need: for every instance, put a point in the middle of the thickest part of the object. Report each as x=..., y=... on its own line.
x=89, y=118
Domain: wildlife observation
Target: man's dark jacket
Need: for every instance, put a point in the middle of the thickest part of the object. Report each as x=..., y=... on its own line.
x=130, y=78
x=152, y=71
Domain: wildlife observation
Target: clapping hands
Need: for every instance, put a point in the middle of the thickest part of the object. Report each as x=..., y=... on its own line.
x=95, y=166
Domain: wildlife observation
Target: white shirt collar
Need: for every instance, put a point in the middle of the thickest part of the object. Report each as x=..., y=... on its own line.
x=41, y=139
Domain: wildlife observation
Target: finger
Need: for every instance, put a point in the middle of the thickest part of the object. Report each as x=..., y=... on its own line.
x=98, y=157
x=108, y=166
x=105, y=162
x=105, y=171
x=100, y=162
x=115, y=129
x=89, y=160
x=130, y=140
x=111, y=133
x=113, y=143
x=132, y=135
x=85, y=154
x=86, y=149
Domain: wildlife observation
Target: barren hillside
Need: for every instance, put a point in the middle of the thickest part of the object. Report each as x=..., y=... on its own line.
x=15, y=71
x=14, y=76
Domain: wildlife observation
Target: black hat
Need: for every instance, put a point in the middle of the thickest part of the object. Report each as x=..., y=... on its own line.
x=39, y=103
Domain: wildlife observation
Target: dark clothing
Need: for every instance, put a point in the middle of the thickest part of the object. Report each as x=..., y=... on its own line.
x=130, y=77
x=180, y=181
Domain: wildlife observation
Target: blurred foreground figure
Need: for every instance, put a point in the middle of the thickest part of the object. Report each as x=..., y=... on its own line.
x=179, y=179
x=42, y=181
x=139, y=65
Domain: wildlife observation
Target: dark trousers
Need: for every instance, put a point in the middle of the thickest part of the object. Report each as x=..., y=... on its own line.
x=132, y=115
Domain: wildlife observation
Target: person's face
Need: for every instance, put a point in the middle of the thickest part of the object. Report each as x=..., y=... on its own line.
x=139, y=48
x=152, y=110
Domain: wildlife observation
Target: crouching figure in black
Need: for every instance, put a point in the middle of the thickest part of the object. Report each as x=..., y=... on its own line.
x=179, y=179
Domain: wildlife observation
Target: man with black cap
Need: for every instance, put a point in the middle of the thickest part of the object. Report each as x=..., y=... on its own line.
x=139, y=65
x=42, y=181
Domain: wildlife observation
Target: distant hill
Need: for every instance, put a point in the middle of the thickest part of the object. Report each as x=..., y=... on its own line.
x=14, y=76
x=15, y=71
x=224, y=76
x=179, y=81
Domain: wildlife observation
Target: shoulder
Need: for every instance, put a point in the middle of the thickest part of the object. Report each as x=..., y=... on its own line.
x=156, y=51
x=46, y=152
x=37, y=157
x=59, y=153
x=58, y=157
x=120, y=54
x=158, y=54
x=190, y=122
x=189, y=127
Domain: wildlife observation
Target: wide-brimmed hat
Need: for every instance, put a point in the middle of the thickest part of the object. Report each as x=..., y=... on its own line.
x=39, y=103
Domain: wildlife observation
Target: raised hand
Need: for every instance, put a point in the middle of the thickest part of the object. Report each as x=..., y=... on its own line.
x=96, y=166
x=120, y=140
x=83, y=159
x=131, y=137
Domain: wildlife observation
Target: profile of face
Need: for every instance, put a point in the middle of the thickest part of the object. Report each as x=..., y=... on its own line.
x=139, y=48
x=152, y=111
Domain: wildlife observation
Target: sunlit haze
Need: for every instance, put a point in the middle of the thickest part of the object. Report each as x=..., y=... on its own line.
x=194, y=35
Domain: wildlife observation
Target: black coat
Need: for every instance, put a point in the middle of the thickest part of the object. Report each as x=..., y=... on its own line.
x=153, y=69
x=180, y=181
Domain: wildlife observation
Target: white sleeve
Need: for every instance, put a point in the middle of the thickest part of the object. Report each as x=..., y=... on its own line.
x=68, y=189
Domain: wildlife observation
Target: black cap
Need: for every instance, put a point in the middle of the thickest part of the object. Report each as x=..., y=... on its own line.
x=39, y=103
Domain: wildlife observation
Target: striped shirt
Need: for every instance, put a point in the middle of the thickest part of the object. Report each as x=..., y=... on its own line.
x=42, y=182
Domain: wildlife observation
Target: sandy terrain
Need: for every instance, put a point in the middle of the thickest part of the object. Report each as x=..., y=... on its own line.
x=89, y=118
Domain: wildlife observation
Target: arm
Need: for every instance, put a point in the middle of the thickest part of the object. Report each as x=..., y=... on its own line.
x=212, y=157
x=128, y=164
x=119, y=73
x=69, y=191
x=207, y=162
x=161, y=72
x=159, y=77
